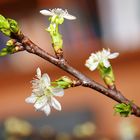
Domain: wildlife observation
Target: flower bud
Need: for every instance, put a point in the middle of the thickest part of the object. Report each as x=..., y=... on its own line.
x=107, y=75
x=10, y=42
x=64, y=82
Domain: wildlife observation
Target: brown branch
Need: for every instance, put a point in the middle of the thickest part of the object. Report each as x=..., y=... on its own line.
x=83, y=80
x=18, y=47
x=76, y=83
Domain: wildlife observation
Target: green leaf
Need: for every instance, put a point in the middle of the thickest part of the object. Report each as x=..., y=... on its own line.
x=4, y=23
x=4, y=26
x=8, y=25
x=6, y=51
x=6, y=32
x=63, y=82
x=3, y=53
x=123, y=109
x=13, y=25
x=9, y=49
x=2, y=18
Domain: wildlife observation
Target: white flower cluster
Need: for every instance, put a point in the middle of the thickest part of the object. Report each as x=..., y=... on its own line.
x=100, y=57
x=43, y=94
x=58, y=12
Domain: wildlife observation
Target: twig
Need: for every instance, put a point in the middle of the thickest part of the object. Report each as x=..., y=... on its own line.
x=83, y=80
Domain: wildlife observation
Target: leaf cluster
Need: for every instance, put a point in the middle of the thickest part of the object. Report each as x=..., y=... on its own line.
x=123, y=109
x=8, y=26
x=63, y=82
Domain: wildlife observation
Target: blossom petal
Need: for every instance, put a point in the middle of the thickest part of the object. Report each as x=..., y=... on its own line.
x=70, y=17
x=46, y=109
x=113, y=55
x=106, y=52
x=55, y=104
x=31, y=99
x=46, y=12
x=46, y=79
x=94, y=56
x=92, y=66
x=57, y=91
x=59, y=12
x=106, y=63
x=38, y=71
x=40, y=102
x=90, y=60
x=36, y=90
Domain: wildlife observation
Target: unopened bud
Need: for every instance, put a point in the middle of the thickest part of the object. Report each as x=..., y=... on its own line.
x=64, y=82
x=10, y=42
x=107, y=75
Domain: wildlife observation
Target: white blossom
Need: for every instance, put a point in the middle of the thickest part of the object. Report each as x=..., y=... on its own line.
x=43, y=93
x=58, y=12
x=101, y=57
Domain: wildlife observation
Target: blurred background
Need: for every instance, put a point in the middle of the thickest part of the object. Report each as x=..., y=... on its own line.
x=86, y=114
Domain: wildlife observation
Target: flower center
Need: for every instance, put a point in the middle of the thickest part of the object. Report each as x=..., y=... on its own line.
x=58, y=12
x=47, y=92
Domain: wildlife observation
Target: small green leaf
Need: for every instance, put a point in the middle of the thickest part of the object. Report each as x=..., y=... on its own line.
x=63, y=82
x=8, y=26
x=4, y=23
x=3, y=53
x=6, y=32
x=123, y=109
x=2, y=18
x=9, y=49
x=6, y=51
x=4, y=26
x=13, y=25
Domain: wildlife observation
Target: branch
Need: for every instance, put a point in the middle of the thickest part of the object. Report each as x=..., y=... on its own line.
x=82, y=79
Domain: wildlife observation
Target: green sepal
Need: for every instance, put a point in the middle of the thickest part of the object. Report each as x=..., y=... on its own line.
x=56, y=36
x=13, y=25
x=53, y=18
x=123, y=109
x=59, y=20
x=51, y=29
x=56, y=19
x=57, y=40
x=107, y=74
x=63, y=82
x=50, y=18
